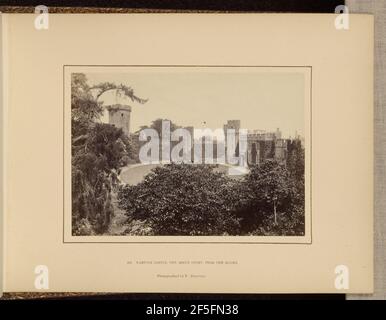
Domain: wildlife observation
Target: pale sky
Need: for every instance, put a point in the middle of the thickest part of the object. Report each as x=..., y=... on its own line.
x=207, y=98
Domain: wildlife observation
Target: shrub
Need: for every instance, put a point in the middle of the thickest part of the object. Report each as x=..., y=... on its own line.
x=183, y=199
x=271, y=200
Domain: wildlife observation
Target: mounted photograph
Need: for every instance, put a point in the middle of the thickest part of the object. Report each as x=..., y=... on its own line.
x=180, y=153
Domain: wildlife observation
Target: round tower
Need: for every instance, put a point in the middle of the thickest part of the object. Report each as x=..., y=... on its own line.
x=119, y=116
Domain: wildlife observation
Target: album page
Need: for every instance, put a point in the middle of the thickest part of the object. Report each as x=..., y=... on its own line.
x=188, y=153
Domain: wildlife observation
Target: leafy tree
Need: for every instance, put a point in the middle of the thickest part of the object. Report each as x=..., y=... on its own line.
x=157, y=126
x=183, y=199
x=269, y=186
x=95, y=164
x=121, y=89
x=98, y=152
x=295, y=165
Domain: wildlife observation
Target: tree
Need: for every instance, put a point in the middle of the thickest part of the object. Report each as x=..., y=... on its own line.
x=157, y=126
x=295, y=159
x=269, y=185
x=182, y=199
x=95, y=166
x=295, y=165
x=121, y=89
x=98, y=152
x=86, y=110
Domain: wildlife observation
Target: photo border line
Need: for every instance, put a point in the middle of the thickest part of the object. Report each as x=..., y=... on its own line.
x=189, y=242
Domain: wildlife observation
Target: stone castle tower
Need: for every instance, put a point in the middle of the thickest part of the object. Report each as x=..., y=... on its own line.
x=235, y=125
x=119, y=116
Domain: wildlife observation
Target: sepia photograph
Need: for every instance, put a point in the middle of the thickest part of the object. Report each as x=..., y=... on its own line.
x=188, y=151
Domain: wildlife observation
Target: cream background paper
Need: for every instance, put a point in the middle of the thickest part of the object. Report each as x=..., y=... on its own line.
x=342, y=151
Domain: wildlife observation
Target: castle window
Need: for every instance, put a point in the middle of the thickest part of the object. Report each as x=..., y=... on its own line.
x=121, y=114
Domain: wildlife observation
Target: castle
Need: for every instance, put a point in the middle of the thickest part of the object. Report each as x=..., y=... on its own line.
x=260, y=145
x=119, y=116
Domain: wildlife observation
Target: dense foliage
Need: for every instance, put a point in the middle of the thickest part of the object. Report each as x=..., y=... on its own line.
x=98, y=152
x=272, y=201
x=183, y=199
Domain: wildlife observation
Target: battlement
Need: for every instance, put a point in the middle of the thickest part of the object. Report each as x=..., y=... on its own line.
x=118, y=107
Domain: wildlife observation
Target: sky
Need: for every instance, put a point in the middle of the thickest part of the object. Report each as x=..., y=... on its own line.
x=208, y=97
